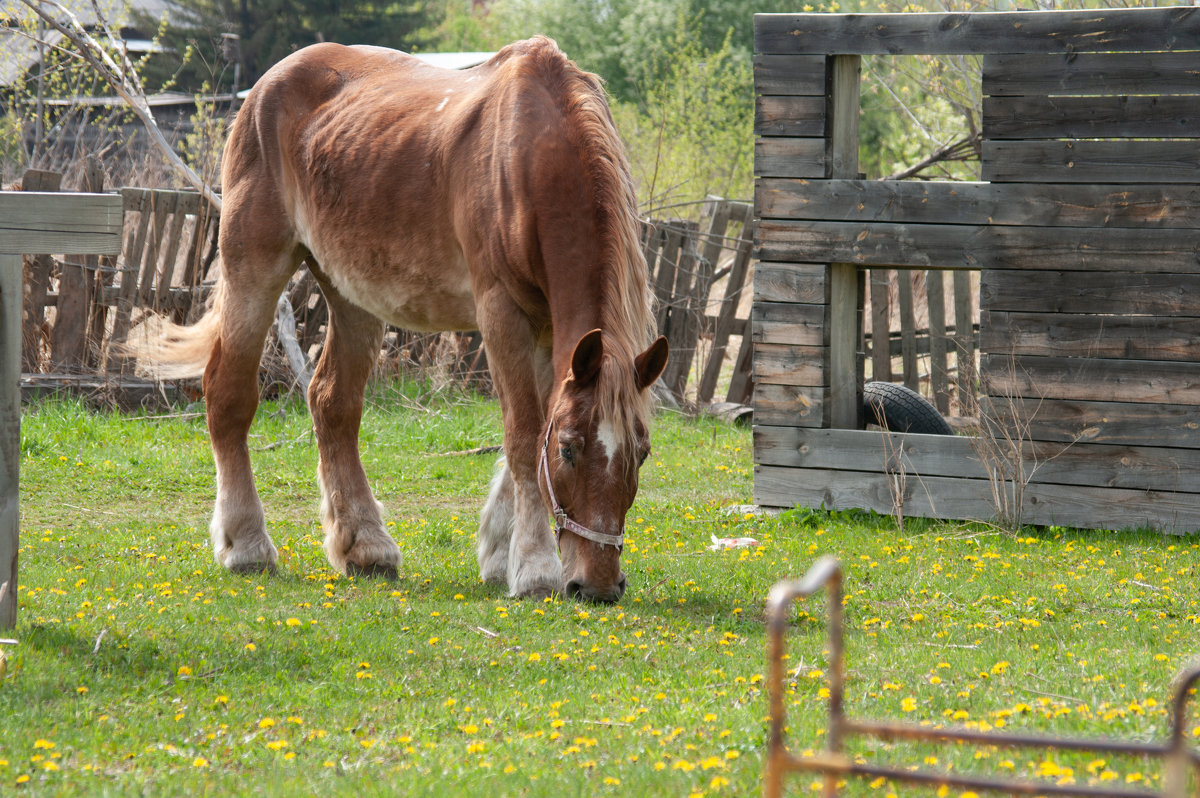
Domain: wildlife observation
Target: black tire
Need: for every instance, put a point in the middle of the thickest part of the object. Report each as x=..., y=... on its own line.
x=899, y=409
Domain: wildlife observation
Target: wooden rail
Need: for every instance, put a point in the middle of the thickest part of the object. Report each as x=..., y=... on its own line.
x=33, y=223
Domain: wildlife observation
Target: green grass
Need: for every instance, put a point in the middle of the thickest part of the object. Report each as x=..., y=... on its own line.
x=143, y=667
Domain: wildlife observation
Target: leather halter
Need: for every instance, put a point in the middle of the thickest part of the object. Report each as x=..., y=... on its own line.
x=561, y=519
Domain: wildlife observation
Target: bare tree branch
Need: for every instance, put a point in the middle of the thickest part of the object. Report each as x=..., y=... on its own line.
x=122, y=78
x=960, y=150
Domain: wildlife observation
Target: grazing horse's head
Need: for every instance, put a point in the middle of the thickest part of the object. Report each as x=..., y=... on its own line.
x=595, y=441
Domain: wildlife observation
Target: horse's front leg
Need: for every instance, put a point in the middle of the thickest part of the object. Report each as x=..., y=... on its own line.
x=355, y=539
x=515, y=541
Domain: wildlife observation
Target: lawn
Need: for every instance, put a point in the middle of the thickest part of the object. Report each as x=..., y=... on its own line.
x=143, y=667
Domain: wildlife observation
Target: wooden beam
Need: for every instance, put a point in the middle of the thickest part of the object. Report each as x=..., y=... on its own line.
x=1046, y=463
x=1090, y=379
x=951, y=246
x=1106, y=30
x=1091, y=161
x=1008, y=204
x=845, y=300
x=1041, y=117
x=73, y=224
x=793, y=75
x=10, y=432
x=1090, y=335
x=1087, y=73
x=955, y=497
x=1100, y=293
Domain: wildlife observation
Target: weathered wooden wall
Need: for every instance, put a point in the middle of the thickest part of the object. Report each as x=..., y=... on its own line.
x=1085, y=234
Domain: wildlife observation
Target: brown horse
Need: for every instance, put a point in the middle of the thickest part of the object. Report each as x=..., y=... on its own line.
x=496, y=198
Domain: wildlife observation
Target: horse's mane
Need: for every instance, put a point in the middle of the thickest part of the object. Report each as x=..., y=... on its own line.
x=626, y=318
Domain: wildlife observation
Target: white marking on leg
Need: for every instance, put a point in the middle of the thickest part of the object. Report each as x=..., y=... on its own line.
x=238, y=529
x=533, y=564
x=495, y=526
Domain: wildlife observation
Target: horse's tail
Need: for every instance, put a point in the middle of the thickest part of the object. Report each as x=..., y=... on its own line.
x=170, y=351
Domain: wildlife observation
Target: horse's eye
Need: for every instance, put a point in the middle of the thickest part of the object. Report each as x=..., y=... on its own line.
x=642, y=459
x=567, y=453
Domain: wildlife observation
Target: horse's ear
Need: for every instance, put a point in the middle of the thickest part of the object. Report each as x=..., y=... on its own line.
x=585, y=361
x=650, y=364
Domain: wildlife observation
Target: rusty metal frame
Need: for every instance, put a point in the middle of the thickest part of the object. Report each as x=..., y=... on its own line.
x=826, y=573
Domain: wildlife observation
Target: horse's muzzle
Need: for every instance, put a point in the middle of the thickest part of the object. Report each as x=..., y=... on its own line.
x=575, y=589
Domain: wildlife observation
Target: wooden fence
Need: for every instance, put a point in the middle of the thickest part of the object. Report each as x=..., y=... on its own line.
x=1084, y=235
x=169, y=246
x=30, y=223
x=698, y=270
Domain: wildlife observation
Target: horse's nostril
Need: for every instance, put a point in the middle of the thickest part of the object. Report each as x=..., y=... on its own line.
x=574, y=589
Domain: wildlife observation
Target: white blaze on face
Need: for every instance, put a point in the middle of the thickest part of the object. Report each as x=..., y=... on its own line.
x=608, y=440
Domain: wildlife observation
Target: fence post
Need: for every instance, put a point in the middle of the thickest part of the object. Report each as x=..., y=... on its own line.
x=845, y=411
x=10, y=432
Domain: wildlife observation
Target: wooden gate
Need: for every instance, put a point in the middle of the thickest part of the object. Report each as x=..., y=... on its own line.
x=1085, y=235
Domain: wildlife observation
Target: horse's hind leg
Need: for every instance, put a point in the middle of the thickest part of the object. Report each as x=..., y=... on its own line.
x=238, y=529
x=355, y=539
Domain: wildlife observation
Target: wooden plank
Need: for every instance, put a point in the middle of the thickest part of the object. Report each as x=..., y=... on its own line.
x=790, y=282
x=1092, y=292
x=166, y=267
x=784, y=157
x=741, y=383
x=790, y=405
x=1045, y=463
x=162, y=206
x=929, y=201
x=667, y=264
x=33, y=222
x=789, y=116
x=946, y=497
x=1091, y=161
x=1103, y=422
x=1091, y=335
x=789, y=365
x=1147, y=381
x=881, y=320
x=727, y=313
x=789, y=324
x=1036, y=117
x=100, y=271
x=938, y=372
x=652, y=241
x=845, y=296
x=789, y=74
x=1089, y=73
x=37, y=284
x=929, y=246
x=692, y=304
x=681, y=333
x=908, y=331
x=964, y=339
x=10, y=432
x=1106, y=30
x=135, y=201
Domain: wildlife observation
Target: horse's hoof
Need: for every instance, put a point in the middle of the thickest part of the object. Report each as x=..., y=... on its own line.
x=384, y=571
x=537, y=594
x=253, y=568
